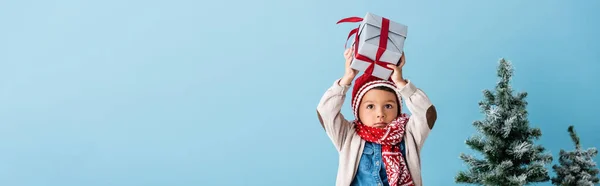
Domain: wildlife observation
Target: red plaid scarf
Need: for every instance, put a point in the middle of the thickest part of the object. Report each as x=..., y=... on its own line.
x=389, y=138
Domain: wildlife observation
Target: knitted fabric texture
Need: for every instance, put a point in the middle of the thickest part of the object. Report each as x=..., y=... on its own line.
x=367, y=82
x=389, y=139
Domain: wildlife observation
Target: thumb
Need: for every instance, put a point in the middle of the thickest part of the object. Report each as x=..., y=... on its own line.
x=394, y=67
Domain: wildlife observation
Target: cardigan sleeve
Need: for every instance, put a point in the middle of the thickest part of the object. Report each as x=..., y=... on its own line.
x=423, y=113
x=329, y=113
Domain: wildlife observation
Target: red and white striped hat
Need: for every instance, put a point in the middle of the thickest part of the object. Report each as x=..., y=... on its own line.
x=367, y=82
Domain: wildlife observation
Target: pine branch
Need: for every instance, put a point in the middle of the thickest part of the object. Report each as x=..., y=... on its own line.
x=574, y=137
x=488, y=96
x=535, y=133
x=476, y=143
x=576, y=167
x=475, y=164
x=466, y=177
x=518, y=150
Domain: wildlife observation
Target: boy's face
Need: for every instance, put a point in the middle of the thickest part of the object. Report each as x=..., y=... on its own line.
x=378, y=108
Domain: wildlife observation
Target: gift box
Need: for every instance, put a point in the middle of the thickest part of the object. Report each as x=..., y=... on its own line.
x=378, y=42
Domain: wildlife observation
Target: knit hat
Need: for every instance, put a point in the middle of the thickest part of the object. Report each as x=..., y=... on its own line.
x=367, y=82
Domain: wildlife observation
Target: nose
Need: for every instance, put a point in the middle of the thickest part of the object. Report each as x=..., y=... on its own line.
x=380, y=114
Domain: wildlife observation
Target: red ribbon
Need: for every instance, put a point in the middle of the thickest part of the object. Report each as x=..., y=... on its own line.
x=383, y=37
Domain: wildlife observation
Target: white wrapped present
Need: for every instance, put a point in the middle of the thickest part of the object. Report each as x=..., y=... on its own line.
x=368, y=38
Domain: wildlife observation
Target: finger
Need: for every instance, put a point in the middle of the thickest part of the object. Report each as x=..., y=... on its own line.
x=348, y=58
x=393, y=67
x=350, y=54
x=347, y=53
x=402, y=60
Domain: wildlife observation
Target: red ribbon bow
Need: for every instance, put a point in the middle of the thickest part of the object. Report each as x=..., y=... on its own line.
x=383, y=37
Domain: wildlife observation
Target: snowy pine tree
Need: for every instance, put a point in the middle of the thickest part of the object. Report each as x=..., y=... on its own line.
x=577, y=168
x=505, y=140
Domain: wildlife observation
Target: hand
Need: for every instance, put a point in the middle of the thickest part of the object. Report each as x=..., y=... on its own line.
x=349, y=73
x=397, y=74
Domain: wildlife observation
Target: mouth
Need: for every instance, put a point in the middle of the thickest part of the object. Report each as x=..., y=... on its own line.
x=380, y=125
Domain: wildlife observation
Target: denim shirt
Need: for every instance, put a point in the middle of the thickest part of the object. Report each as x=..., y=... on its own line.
x=371, y=169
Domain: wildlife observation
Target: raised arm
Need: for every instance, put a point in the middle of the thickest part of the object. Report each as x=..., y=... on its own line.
x=329, y=112
x=423, y=113
x=330, y=106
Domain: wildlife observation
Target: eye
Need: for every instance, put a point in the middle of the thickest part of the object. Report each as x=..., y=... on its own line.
x=389, y=106
x=369, y=106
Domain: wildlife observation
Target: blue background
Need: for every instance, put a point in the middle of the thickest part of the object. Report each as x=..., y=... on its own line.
x=183, y=92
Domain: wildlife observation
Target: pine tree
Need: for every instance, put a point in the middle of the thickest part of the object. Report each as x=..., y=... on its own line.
x=576, y=167
x=505, y=140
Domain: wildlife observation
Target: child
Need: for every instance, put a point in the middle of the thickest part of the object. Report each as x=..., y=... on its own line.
x=383, y=145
